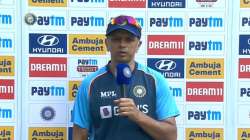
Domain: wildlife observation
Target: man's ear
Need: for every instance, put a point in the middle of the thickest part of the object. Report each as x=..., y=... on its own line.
x=107, y=44
x=138, y=45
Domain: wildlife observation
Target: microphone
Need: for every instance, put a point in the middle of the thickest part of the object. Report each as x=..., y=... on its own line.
x=123, y=77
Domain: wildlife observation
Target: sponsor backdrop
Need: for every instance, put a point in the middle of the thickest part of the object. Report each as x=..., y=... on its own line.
x=201, y=47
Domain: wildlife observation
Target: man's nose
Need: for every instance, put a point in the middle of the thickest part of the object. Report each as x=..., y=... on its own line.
x=123, y=43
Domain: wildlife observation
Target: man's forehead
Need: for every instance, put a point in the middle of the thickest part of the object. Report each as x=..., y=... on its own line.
x=122, y=32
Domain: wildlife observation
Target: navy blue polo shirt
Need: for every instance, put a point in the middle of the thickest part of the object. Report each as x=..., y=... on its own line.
x=94, y=107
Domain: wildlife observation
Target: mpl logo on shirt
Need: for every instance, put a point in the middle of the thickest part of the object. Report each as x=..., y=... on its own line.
x=205, y=114
x=205, y=45
x=244, y=45
x=243, y=92
x=127, y=3
x=87, y=44
x=47, y=43
x=160, y=22
x=204, y=133
x=7, y=89
x=36, y=133
x=205, y=68
x=166, y=3
x=73, y=89
x=200, y=22
x=7, y=42
x=244, y=68
x=7, y=132
x=7, y=65
x=7, y=19
x=166, y=44
x=169, y=68
x=49, y=3
x=205, y=91
x=48, y=90
x=47, y=114
x=244, y=114
x=243, y=133
x=244, y=3
x=47, y=67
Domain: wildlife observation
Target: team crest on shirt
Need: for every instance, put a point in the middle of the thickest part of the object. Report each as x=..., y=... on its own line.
x=139, y=91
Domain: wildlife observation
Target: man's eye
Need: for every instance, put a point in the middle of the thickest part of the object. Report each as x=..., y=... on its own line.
x=115, y=39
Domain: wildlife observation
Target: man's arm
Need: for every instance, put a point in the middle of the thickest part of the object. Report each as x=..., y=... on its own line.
x=79, y=133
x=158, y=130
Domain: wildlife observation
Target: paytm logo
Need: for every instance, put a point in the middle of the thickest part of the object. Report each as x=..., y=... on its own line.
x=245, y=21
x=90, y=21
x=244, y=92
x=170, y=22
x=210, y=22
x=48, y=91
x=50, y=20
x=5, y=113
x=166, y=44
x=205, y=45
x=176, y=92
x=87, y=65
x=204, y=115
x=5, y=42
x=48, y=43
x=5, y=19
x=170, y=68
x=167, y=4
x=244, y=45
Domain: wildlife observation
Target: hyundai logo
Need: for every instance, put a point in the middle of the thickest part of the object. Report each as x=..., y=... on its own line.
x=165, y=65
x=48, y=40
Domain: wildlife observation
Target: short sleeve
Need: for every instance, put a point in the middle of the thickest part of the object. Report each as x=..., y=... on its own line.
x=165, y=103
x=80, y=114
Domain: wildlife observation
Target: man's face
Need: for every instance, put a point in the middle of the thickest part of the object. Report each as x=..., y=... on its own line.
x=122, y=46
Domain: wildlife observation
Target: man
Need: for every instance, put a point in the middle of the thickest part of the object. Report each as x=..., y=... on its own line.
x=148, y=112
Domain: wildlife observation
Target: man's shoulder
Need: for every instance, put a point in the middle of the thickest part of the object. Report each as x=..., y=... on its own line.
x=150, y=71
